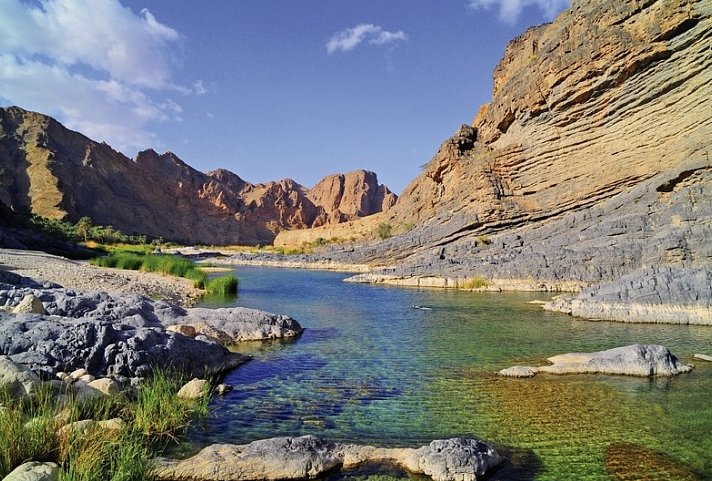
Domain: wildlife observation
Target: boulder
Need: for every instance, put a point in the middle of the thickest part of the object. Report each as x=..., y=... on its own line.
x=271, y=459
x=234, y=324
x=115, y=424
x=194, y=389
x=34, y=471
x=633, y=360
x=456, y=459
x=18, y=380
x=103, y=348
x=29, y=305
x=82, y=428
x=307, y=457
x=106, y=386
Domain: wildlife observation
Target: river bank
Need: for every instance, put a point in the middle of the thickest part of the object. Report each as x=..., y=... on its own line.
x=82, y=276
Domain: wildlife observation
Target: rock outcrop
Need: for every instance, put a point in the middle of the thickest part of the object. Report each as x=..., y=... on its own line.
x=633, y=360
x=349, y=196
x=54, y=172
x=307, y=457
x=127, y=336
x=590, y=163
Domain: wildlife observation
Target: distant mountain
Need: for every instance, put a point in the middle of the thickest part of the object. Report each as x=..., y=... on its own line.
x=55, y=172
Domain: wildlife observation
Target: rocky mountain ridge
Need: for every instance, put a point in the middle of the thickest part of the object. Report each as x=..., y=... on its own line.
x=52, y=171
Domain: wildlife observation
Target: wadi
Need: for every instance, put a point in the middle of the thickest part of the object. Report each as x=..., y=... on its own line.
x=535, y=305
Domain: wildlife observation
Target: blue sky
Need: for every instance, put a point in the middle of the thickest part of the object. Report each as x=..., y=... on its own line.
x=266, y=88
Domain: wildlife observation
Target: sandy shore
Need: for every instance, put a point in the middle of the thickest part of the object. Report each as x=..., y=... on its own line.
x=85, y=277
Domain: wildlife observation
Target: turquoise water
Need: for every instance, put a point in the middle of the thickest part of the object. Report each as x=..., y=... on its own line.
x=372, y=369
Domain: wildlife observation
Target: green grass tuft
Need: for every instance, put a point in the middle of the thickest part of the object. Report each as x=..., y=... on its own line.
x=222, y=285
x=135, y=259
x=28, y=431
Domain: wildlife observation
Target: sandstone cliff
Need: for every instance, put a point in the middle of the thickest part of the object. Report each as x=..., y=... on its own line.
x=54, y=172
x=589, y=165
x=608, y=95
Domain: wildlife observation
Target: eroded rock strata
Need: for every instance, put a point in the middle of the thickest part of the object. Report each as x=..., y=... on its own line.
x=590, y=163
x=54, y=172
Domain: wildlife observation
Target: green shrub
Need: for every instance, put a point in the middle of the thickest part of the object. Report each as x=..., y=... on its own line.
x=483, y=239
x=159, y=413
x=384, y=230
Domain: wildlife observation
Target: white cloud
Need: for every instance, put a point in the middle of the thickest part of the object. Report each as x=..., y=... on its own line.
x=511, y=10
x=349, y=39
x=199, y=88
x=94, y=64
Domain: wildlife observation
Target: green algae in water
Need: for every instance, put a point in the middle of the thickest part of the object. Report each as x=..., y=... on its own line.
x=371, y=369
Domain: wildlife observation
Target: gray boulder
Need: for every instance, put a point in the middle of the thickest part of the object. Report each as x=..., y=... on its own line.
x=34, y=471
x=18, y=380
x=271, y=459
x=457, y=459
x=307, y=457
x=634, y=360
x=234, y=324
x=107, y=348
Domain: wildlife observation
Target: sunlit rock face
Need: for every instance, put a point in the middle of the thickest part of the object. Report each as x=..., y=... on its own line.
x=55, y=172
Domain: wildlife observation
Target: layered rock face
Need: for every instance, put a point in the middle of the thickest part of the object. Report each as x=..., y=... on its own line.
x=608, y=95
x=55, y=172
x=589, y=167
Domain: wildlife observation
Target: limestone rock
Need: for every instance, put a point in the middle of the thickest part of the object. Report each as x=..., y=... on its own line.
x=77, y=428
x=114, y=424
x=349, y=196
x=17, y=379
x=29, y=305
x=106, y=386
x=78, y=374
x=235, y=324
x=34, y=471
x=307, y=457
x=593, y=84
x=271, y=459
x=457, y=459
x=703, y=357
x=634, y=360
x=194, y=389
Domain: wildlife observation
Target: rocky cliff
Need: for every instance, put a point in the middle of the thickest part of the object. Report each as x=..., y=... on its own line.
x=589, y=165
x=54, y=172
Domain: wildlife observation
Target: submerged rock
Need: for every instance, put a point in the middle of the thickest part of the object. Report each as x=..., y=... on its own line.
x=307, y=457
x=633, y=360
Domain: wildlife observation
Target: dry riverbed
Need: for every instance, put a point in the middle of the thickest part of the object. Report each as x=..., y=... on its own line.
x=85, y=277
